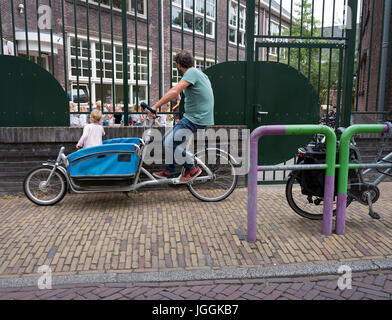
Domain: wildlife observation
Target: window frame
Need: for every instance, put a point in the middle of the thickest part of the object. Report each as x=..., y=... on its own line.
x=130, y=12
x=237, y=29
x=177, y=5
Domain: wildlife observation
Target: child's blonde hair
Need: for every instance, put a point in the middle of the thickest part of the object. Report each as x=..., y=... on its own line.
x=73, y=107
x=96, y=116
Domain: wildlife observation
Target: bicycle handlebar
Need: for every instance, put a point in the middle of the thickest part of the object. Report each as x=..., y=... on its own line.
x=145, y=106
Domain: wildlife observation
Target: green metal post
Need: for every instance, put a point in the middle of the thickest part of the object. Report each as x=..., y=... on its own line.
x=344, y=153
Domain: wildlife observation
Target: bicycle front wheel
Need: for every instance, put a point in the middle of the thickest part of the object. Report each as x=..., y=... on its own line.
x=36, y=189
x=224, y=178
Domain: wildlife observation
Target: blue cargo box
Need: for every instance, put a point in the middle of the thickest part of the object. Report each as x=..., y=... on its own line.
x=116, y=158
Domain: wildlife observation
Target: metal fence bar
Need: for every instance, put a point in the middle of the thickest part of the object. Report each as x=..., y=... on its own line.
x=51, y=41
x=291, y=29
x=349, y=64
x=89, y=52
x=380, y=56
x=113, y=58
x=205, y=34
x=76, y=54
x=1, y=35
x=160, y=46
x=64, y=43
x=101, y=53
x=182, y=24
x=216, y=32
x=125, y=54
x=359, y=56
x=13, y=25
x=194, y=29
x=227, y=28
x=238, y=28
x=148, y=53
x=26, y=30
x=136, y=55
x=370, y=55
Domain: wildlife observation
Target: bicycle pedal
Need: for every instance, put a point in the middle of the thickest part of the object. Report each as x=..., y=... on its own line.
x=374, y=215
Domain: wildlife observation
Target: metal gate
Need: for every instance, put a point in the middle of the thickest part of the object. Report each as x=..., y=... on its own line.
x=120, y=52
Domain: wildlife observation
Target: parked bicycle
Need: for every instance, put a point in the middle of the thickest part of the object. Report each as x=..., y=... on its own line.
x=307, y=200
x=117, y=166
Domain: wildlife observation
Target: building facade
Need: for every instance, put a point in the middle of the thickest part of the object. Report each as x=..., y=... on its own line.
x=83, y=48
x=369, y=54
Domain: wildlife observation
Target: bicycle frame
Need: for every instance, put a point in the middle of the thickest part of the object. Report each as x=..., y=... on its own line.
x=384, y=174
x=62, y=158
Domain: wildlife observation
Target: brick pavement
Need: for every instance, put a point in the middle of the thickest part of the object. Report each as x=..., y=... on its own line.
x=172, y=230
x=373, y=285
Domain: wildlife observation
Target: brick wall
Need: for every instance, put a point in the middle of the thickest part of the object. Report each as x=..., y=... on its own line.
x=22, y=149
x=371, y=55
x=81, y=18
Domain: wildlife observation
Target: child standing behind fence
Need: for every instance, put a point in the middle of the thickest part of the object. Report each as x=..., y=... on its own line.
x=93, y=132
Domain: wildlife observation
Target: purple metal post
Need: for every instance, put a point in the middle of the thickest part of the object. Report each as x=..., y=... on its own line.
x=252, y=176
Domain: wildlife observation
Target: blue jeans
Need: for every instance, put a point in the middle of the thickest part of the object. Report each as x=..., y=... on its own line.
x=174, y=138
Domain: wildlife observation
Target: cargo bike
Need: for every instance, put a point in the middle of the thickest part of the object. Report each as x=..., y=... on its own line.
x=117, y=166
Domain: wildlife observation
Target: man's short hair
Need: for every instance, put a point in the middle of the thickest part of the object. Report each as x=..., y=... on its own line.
x=184, y=59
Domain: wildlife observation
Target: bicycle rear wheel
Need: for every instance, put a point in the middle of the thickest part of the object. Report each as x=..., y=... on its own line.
x=222, y=184
x=310, y=208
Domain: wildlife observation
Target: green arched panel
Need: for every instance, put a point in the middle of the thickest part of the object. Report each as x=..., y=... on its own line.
x=280, y=90
x=30, y=96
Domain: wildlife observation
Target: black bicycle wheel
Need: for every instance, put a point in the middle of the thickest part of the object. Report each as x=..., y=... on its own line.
x=307, y=207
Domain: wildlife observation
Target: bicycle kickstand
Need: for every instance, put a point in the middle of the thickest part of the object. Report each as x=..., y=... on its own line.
x=372, y=213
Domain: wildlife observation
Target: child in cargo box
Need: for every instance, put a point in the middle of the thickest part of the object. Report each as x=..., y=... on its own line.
x=93, y=132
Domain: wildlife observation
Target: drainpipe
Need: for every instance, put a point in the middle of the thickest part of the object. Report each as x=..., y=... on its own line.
x=384, y=58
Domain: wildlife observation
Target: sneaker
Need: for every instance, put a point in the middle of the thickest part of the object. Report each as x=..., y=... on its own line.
x=190, y=174
x=162, y=174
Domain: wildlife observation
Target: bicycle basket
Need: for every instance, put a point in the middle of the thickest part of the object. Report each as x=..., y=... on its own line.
x=109, y=160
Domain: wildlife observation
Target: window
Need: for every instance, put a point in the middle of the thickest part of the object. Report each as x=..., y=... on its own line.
x=142, y=65
x=107, y=62
x=82, y=51
x=43, y=62
x=275, y=31
x=197, y=23
x=106, y=56
x=117, y=4
x=237, y=24
x=199, y=64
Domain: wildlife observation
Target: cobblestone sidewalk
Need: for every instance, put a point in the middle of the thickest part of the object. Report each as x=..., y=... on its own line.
x=171, y=230
x=373, y=285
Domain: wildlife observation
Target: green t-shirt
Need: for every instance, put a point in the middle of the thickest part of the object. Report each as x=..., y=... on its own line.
x=199, y=98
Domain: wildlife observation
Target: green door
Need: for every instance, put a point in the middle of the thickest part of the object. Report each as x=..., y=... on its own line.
x=281, y=96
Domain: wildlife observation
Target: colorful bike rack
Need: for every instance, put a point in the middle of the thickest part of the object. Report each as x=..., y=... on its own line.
x=344, y=166
x=329, y=167
x=329, y=170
